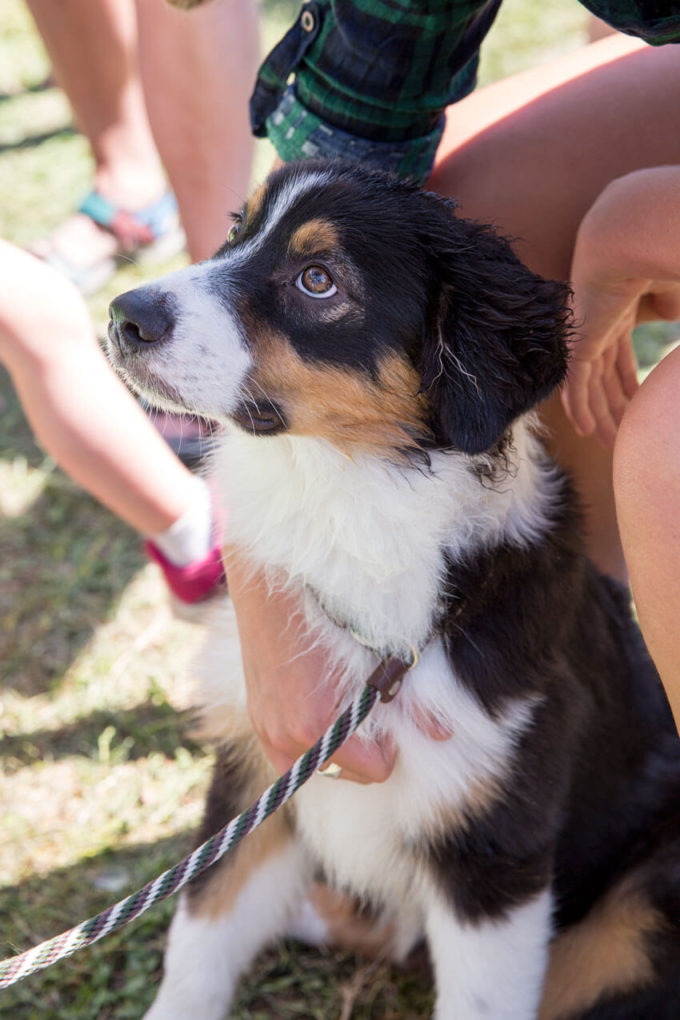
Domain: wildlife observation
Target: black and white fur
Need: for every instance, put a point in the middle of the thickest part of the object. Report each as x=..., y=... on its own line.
x=375, y=361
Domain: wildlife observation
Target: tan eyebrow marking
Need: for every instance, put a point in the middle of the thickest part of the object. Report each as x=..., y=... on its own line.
x=255, y=202
x=315, y=236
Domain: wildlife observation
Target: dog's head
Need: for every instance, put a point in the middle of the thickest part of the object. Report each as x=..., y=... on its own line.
x=354, y=307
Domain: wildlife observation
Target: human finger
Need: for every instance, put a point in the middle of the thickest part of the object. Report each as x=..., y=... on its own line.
x=576, y=397
x=359, y=760
x=286, y=732
x=612, y=385
x=627, y=368
x=604, y=423
x=366, y=762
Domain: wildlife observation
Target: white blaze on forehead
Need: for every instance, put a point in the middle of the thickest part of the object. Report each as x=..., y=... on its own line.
x=289, y=194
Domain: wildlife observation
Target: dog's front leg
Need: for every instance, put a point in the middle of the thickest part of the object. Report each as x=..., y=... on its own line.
x=490, y=968
x=214, y=937
x=225, y=917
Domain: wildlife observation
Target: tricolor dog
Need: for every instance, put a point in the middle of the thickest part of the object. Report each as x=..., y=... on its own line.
x=375, y=361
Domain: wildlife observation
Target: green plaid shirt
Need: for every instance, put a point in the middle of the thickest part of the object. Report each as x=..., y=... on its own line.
x=372, y=78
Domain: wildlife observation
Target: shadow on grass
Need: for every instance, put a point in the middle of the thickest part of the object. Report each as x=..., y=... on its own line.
x=33, y=141
x=294, y=981
x=28, y=90
x=124, y=734
x=64, y=563
x=115, y=979
x=16, y=438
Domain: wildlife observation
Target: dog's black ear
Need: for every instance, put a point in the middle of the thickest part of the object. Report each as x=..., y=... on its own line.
x=495, y=343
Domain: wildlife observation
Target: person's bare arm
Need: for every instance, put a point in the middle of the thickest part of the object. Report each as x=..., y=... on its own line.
x=626, y=270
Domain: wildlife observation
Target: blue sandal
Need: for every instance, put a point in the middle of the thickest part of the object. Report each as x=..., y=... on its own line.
x=151, y=234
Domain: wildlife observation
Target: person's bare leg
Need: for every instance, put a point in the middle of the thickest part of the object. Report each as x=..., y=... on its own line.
x=92, y=45
x=530, y=154
x=598, y=29
x=647, y=488
x=198, y=69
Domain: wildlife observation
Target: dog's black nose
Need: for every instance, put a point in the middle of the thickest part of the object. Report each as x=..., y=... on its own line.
x=141, y=317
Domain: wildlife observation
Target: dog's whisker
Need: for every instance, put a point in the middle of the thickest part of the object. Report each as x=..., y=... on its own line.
x=272, y=403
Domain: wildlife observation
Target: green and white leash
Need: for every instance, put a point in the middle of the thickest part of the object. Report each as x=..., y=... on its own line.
x=383, y=683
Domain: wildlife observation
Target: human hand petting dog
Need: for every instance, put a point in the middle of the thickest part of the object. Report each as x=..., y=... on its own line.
x=290, y=699
x=290, y=685
x=625, y=270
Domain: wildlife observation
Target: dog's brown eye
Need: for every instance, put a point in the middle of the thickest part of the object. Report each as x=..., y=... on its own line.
x=234, y=231
x=317, y=282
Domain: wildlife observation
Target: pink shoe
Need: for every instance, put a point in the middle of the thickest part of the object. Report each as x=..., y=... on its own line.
x=195, y=582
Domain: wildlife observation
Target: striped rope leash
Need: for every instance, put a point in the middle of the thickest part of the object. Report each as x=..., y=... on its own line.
x=383, y=683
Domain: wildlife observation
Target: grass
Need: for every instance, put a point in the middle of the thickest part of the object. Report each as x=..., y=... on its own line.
x=102, y=784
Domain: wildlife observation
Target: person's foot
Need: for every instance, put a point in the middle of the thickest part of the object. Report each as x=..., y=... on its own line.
x=194, y=582
x=89, y=246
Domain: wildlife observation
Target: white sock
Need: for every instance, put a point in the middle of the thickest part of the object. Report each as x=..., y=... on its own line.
x=191, y=536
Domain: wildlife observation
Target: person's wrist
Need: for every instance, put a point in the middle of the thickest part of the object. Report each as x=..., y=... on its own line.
x=297, y=132
x=603, y=276
x=632, y=230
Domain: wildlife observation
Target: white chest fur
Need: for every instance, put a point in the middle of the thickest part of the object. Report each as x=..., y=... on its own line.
x=363, y=834
x=371, y=540
x=368, y=536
